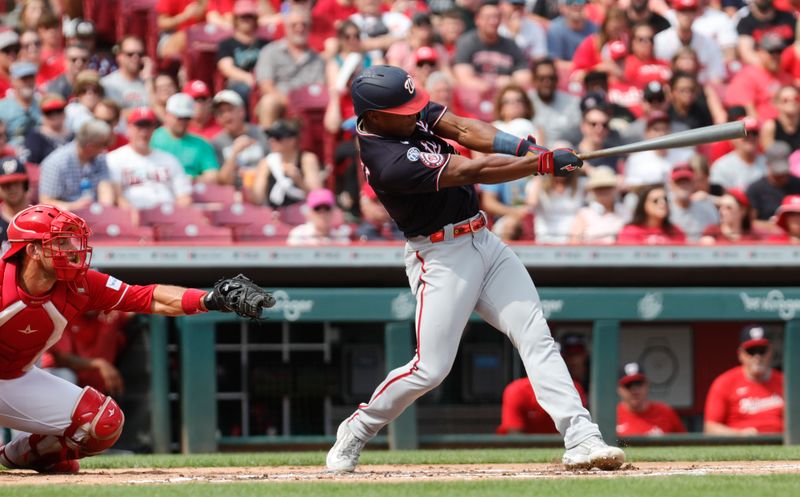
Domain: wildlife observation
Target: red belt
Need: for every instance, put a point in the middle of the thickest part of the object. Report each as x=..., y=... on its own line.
x=461, y=229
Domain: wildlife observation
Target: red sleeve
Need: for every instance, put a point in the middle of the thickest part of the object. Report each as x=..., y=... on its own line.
x=168, y=7
x=513, y=416
x=630, y=233
x=108, y=293
x=716, y=407
x=741, y=90
x=586, y=56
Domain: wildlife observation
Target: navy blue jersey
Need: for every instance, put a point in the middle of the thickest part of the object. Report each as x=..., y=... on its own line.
x=405, y=176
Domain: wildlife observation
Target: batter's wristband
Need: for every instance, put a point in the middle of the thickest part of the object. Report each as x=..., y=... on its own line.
x=191, y=302
x=505, y=143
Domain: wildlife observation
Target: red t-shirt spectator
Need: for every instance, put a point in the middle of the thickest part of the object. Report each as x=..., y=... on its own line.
x=208, y=131
x=755, y=85
x=738, y=402
x=522, y=412
x=657, y=419
x=639, y=72
x=790, y=61
x=643, y=235
x=51, y=66
x=587, y=55
x=172, y=8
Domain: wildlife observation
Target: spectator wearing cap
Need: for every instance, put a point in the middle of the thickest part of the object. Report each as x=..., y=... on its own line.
x=379, y=29
x=762, y=18
x=602, y=219
x=319, y=228
x=419, y=47
x=744, y=165
x=556, y=111
x=144, y=178
x=654, y=166
x=641, y=65
x=240, y=146
x=747, y=399
x=709, y=54
x=767, y=193
x=376, y=224
x=595, y=54
x=82, y=32
x=735, y=221
x=9, y=51
x=650, y=224
x=195, y=154
x=638, y=415
x=76, y=174
x=126, y=85
x=76, y=57
x=285, y=65
x=787, y=218
x=515, y=25
x=687, y=211
x=754, y=87
x=785, y=126
x=14, y=185
x=237, y=55
x=173, y=18
x=567, y=31
x=51, y=134
x=203, y=122
x=484, y=59
x=617, y=97
x=521, y=412
x=287, y=173
x=20, y=108
x=87, y=93
x=654, y=99
x=108, y=111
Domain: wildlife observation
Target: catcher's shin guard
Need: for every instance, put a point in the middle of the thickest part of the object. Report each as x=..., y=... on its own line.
x=96, y=425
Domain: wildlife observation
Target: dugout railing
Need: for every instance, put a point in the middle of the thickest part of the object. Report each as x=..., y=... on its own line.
x=605, y=308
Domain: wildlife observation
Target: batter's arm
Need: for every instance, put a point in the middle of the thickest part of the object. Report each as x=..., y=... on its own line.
x=471, y=133
x=491, y=169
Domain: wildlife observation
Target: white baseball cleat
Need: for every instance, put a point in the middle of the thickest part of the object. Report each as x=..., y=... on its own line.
x=593, y=453
x=344, y=454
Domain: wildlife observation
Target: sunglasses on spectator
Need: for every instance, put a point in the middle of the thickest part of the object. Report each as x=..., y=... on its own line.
x=759, y=350
x=202, y=99
x=633, y=384
x=54, y=112
x=657, y=99
x=78, y=59
x=11, y=49
x=134, y=54
x=145, y=124
x=351, y=36
x=547, y=77
x=36, y=43
x=644, y=39
x=323, y=208
x=661, y=199
x=424, y=63
x=596, y=124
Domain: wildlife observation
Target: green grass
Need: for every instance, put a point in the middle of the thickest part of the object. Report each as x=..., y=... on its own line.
x=484, y=456
x=674, y=486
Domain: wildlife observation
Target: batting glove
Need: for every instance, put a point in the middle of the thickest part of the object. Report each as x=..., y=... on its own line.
x=559, y=162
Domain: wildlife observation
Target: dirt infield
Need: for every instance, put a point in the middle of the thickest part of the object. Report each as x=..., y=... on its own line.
x=399, y=473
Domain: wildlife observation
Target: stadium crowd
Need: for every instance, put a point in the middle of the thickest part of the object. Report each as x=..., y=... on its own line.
x=234, y=116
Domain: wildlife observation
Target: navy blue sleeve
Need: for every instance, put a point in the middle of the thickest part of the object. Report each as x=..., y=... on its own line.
x=432, y=113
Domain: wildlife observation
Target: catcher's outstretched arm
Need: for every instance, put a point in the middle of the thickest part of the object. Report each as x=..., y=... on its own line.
x=169, y=300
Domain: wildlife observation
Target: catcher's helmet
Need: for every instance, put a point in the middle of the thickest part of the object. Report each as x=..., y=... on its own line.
x=387, y=89
x=64, y=237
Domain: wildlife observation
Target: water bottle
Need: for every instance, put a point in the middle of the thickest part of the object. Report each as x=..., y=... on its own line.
x=86, y=188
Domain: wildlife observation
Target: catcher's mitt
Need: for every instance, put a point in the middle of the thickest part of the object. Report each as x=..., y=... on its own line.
x=239, y=295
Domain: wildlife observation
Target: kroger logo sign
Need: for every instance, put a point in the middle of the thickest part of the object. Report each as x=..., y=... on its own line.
x=774, y=302
x=291, y=309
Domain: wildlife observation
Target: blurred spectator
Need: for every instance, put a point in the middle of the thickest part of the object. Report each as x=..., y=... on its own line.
x=761, y=18
x=108, y=111
x=174, y=17
x=440, y=87
x=376, y=224
x=595, y=130
x=604, y=217
x=705, y=189
x=567, y=31
x=735, y=221
x=222, y=12
x=755, y=85
x=544, y=11
x=556, y=111
x=555, y=201
x=744, y=165
x=715, y=25
x=709, y=54
x=788, y=219
x=195, y=154
x=450, y=28
x=426, y=62
x=144, y=178
x=51, y=134
x=638, y=415
x=32, y=11
x=515, y=25
x=641, y=66
x=767, y=193
x=594, y=54
x=20, y=108
x=514, y=112
x=82, y=32
x=485, y=60
x=620, y=100
x=30, y=51
x=237, y=55
x=786, y=126
x=76, y=58
x=287, y=174
x=325, y=16
x=14, y=185
x=203, y=122
x=285, y=65
x=692, y=215
x=687, y=104
x=126, y=85
x=654, y=101
x=9, y=51
x=240, y=145
x=650, y=224
x=379, y=28
x=346, y=64
x=318, y=228
x=468, y=10
x=720, y=148
x=164, y=85
x=5, y=148
x=49, y=29
x=87, y=93
x=402, y=52
x=76, y=174
x=747, y=399
x=639, y=12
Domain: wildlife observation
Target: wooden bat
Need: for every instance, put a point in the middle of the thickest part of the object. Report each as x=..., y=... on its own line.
x=688, y=138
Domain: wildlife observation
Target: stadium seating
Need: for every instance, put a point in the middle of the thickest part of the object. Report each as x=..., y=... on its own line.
x=207, y=193
x=239, y=214
x=307, y=104
x=139, y=18
x=191, y=231
x=114, y=224
x=200, y=58
x=170, y=214
x=105, y=14
x=265, y=231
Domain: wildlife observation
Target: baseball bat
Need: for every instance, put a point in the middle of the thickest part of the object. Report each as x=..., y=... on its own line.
x=706, y=134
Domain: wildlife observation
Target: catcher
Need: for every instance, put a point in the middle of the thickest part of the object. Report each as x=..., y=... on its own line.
x=46, y=283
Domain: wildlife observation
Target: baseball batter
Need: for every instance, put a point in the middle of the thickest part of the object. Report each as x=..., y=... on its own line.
x=454, y=265
x=46, y=283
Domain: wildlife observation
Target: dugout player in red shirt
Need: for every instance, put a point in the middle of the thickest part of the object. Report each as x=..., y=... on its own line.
x=748, y=399
x=636, y=415
x=46, y=284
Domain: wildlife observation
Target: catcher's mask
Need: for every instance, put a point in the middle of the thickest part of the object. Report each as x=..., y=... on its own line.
x=63, y=235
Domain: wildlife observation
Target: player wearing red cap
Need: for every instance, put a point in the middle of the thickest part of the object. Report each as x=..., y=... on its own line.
x=636, y=414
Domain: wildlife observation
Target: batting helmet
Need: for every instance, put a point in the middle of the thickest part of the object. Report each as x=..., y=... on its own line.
x=387, y=89
x=64, y=237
